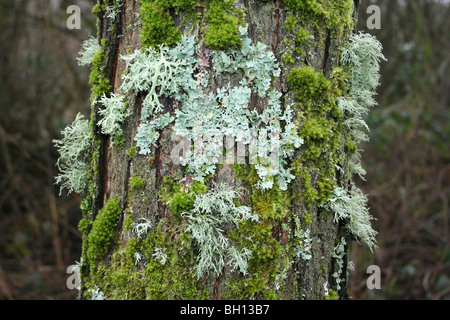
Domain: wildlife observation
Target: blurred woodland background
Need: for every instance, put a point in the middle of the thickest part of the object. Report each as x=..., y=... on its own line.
x=407, y=159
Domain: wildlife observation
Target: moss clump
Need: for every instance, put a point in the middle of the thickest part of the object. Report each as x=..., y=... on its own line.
x=307, y=218
x=172, y=279
x=319, y=119
x=180, y=198
x=221, y=17
x=85, y=226
x=308, y=84
x=100, y=84
x=132, y=151
x=181, y=202
x=263, y=238
x=102, y=233
x=98, y=9
x=336, y=15
x=158, y=26
x=128, y=223
x=97, y=63
x=350, y=147
x=136, y=183
x=332, y=295
x=222, y=26
x=166, y=276
x=288, y=59
x=301, y=37
x=291, y=22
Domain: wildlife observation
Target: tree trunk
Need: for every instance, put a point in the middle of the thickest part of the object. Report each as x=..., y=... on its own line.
x=146, y=232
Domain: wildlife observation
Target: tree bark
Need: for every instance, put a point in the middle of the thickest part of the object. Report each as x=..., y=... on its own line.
x=276, y=269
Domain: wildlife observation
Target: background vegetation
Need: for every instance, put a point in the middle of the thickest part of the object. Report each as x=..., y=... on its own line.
x=407, y=159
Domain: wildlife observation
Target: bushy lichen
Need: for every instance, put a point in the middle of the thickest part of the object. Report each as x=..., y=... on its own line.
x=74, y=149
x=90, y=48
x=351, y=208
x=268, y=257
x=362, y=56
x=211, y=211
x=112, y=115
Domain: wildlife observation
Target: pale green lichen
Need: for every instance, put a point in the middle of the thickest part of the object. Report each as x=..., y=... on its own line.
x=113, y=114
x=176, y=73
x=142, y=227
x=112, y=11
x=160, y=255
x=89, y=48
x=74, y=149
x=96, y=294
x=211, y=212
x=363, y=55
x=339, y=253
x=352, y=208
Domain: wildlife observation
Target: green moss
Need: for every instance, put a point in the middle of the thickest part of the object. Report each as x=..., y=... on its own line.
x=262, y=238
x=180, y=198
x=308, y=84
x=198, y=187
x=287, y=58
x=158, y=26
x=221, y=16
x=84, y=226
x=97, y=63
x=222, y=26
x=332, y=295
x=307, y=218
x=132, y=151
x=301, y=37
x=100, y=84
x=86, y=204
x=98, y=9
x=128, y=223
x=174, y=279
x=136, y=183
x=291, y=22
x=350, y=147
x=168, y=279
x=320, y=127
x=308, y=192
x=181, y=202
x=335, y=15
x=102, y=233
